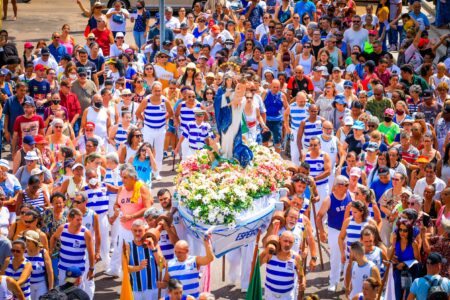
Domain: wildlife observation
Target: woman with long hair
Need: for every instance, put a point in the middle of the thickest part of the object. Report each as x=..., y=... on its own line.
x=27, y=56
x=42, y=277
x=253, y=118
x=188, y=77
x=371, y=289
x=191, y=22
x=144, y=163
x=367, y=196
x=140, y=92
x=283, y=13
x=419, y=172
x=401, y=112
x=428, y=151
x=199, y=86
x=405, y=248
x=201, y=27
x=18, y=267
x=66, y=39
x=119, y=132
x=247, y=53
x=325, y=101
x=149, y=75
x=141, y=23
x=33, y=194
x=306, y=59
x=129, y=149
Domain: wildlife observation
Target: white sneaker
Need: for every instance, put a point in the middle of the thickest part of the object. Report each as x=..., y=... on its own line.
x=158, y=177
x=332, y=288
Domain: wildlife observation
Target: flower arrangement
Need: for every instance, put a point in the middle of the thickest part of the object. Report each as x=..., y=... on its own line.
x=216, y=194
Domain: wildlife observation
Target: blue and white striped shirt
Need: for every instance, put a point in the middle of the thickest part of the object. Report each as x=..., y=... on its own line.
x=298, y=114
x=38, y=264
x=15, y=274
x=280, y=275
x=187, y=273
x=166, y=246
x=317, y=166
x=98, y=199
x=310, y=130
x=197, y=134
x=73, y=249
x=112, y=177
x=146, y=278
x=353, y=234
x=38, y=202
x=121, y=135
x=187, y=114
x=155, y=115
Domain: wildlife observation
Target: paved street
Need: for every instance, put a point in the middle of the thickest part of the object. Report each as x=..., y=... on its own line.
x=37, y=20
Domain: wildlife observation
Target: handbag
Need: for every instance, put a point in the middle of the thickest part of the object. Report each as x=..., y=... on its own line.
x=118, y=19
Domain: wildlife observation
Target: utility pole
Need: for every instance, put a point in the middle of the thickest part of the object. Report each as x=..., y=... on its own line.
x=162, y=25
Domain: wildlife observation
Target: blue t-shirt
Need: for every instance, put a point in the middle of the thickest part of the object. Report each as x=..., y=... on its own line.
x=143, y=169
x=302, y=7
x=422, y=16
x=255, y=16
x=57, y=52
x=12, y=187
x=420, y=286
x=379, y=188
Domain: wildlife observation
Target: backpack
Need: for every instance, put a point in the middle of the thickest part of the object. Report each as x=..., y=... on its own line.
x=435, y=291
x=57, y=294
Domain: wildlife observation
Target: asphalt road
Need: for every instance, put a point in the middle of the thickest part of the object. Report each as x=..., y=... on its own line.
x=37, y=20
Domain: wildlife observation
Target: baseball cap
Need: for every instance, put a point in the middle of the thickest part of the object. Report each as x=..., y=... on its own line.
x=77, y=165
x=167, y=43
x=28, y=45
x=72, y=273
x=89, y=125
x=382, y=171
x=163, y=52
x=203, y=57
x=119, y=34
x=29, y=140
x=39, y=67
x=348, y=83
x=389, y=112
x=4, y=163
x=215, y=28
x=91, y=35
x=45, y=51
x=355, y=171
x=337, y=69
x=199, y=110
x=435, y=258
x=210, y=75
x=39, y=139
x=81, y=70
x=407, y=120
x=407, y=192
x=372, y=147
x=427, y=94
x=348, y=120
x=358, y=125
x=339, y=99
x=29, y=102
x=125, y=92
x=183, y=26
x=31, y=155
x=373, y=32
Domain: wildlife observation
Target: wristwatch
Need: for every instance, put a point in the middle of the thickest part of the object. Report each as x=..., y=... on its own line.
x=314, y=258
x=154, y=250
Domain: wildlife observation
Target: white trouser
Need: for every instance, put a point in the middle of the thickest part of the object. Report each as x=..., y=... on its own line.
x=239, y=267
x=115, y=225
x=295, y=154
x=186, y=150
x=156, y=139
x=385, y=232
x=115, y=266
x=38, y=289
x=146, y=295
x=335, y=256
x=88, y=285
x=269, y=295
x=104, y=243
x=324, y=191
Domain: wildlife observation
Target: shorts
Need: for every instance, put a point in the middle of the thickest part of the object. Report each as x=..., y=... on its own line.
x=171, y=127
x=276, y=129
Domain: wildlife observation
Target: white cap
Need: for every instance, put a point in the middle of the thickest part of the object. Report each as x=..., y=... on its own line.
x=31, y=155
x=119, y=34
x=125, y=92
x=77, y=165
x=348, y=120
x=36, y=171
x=4, y=163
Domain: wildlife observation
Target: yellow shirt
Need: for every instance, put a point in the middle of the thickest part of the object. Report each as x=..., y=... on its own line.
x=165, y=73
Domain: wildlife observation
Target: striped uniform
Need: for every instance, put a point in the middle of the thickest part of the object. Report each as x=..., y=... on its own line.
x=359, y=274
x=297, y=231
x=15, y=274
x=112, y=177
x=298, y=114
x=97, y=198
x=280, y=276
x=146, y=278
x=167, y=247
x=187, y=115
x=121, y=135
x=376, y=257
x=73, y=249
x=187, y=273
x=317, y=166
x=38, y=202
x=310, y=130
x=155, y=115
x=38, y=264
x=197, y=134
x=353, y=234
x=88, y=220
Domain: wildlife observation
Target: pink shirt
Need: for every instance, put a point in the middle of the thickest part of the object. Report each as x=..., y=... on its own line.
x=127, y=207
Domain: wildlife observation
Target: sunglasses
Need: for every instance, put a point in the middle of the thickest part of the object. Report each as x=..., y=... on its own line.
x=77, y=202
x=16, y=251
x=89, y=130
x=29, y=222
x=138, y=135
x=403, y=230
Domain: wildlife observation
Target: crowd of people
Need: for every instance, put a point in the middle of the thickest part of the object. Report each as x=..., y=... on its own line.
x=88, y=122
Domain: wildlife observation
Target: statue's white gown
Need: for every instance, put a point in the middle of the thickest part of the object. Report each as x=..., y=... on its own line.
x=228, y=137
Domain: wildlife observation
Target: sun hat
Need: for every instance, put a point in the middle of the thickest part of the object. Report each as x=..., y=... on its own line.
x=32, y=235
x=36, y=171
x=4, y=163
x=31, y=155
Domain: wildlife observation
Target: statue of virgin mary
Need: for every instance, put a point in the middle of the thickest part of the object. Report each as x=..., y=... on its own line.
x=228, y=108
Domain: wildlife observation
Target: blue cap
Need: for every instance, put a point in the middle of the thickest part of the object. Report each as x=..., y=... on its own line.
x=348, y=83
x=339, y=99
x=29, y=140
x=359, y=125
x=73, y=272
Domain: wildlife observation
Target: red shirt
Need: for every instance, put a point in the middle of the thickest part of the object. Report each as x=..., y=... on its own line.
x=28, y=126
x=296, y=85
x=71, y=103
x=102, y=39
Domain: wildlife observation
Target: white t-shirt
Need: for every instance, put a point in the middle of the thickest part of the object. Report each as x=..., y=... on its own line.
x=4, y=221
x=421, y=184
x=188, y=39
x=116, y=26
x=114, y=51
x=261, y=30
x=352, y=37
x=173, y=23
x=209, y=39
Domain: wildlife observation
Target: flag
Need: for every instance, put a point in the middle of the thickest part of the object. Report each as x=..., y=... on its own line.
x=255, y=289
x=390, y=285
x=126, y=292
x=244, y=126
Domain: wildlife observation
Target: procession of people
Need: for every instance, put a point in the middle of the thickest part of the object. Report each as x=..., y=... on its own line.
x=357, y=105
